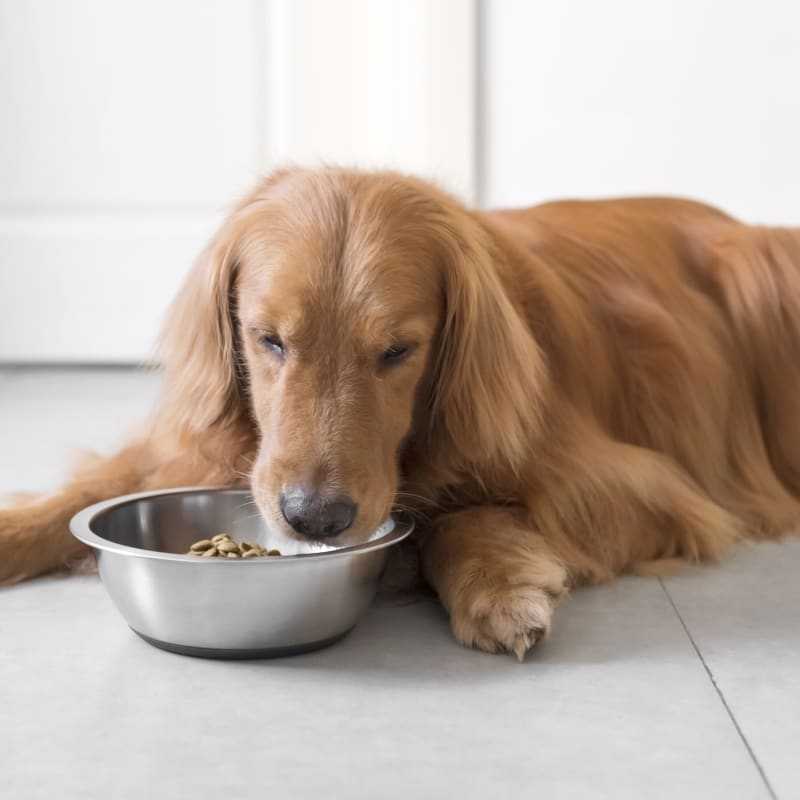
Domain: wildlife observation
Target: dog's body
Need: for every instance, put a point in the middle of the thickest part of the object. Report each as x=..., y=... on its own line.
x=561, y=393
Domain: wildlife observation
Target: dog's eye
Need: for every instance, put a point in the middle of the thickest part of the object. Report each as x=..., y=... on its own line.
x=396, y=353
x=271, y=341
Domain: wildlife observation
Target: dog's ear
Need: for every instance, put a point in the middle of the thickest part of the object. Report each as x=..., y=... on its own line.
x=199, y=346
x=206, y=378
x=490, y=375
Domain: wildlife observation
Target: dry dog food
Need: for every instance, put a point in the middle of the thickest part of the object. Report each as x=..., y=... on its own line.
x=222, y=546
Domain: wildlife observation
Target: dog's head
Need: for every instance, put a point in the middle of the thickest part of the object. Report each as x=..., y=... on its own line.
x=346, y=314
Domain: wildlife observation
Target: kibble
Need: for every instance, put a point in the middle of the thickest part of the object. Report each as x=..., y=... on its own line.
x=223, y=546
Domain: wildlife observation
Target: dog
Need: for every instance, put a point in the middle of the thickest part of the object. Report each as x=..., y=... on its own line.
x=558, y=394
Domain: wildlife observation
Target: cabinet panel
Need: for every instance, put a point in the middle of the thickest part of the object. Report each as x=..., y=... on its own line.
x=690, y=97
x=119, y=104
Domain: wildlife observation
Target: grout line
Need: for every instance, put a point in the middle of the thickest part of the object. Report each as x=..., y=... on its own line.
x=25, y=367
x=261, y=23
x=278, y=42
x=110, y=211
x=719, y=694
x=479, y=85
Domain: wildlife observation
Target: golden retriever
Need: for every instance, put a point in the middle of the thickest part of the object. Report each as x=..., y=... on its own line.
x=560, y=393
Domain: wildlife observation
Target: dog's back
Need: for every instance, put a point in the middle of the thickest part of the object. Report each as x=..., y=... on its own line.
x=679, y=330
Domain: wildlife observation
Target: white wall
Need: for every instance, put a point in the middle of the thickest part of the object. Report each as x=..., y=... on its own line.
x=128, y=128
x=382, y=83
x=688, y=97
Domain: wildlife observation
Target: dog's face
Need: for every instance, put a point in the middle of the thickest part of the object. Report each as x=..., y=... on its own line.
x=337, y=324
x=344, y=314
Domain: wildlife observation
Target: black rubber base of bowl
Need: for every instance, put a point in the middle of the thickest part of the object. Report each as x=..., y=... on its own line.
x=267, y=652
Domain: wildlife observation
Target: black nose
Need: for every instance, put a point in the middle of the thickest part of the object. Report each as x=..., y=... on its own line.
x=317, y=516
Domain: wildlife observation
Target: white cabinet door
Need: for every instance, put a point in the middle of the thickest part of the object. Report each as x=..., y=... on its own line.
x=127, y=128
x=686, y=97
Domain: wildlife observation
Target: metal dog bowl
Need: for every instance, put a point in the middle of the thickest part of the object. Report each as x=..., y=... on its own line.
x=226, y=608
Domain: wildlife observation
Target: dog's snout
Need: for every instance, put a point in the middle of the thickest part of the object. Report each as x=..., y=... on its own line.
x=317, y=516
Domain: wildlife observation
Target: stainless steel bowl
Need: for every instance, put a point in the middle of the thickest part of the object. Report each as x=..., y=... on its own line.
x=221, y=608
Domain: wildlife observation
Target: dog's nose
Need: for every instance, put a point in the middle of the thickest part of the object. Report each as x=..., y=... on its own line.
x=313, y=515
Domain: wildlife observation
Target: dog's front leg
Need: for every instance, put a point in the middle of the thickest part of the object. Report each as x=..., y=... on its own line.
x=34, y=535
x=498, y=579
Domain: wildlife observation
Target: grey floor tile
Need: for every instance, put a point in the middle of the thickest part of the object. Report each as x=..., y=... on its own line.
x=615, y=705
x=47, y=416
x=744, y=617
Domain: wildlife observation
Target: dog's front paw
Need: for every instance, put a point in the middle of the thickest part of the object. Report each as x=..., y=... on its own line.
x=510, y=618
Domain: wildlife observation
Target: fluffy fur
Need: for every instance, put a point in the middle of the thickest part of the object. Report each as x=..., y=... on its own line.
x=588, y=387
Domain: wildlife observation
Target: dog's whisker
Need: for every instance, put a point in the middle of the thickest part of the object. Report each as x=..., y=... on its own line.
x=414, y=512
x=426, y=502
x=248, y=517
x=246, y=505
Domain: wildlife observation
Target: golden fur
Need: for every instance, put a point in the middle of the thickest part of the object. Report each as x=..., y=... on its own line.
x=589, y=387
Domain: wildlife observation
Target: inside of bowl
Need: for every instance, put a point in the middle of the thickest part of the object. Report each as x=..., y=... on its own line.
x=170, y=523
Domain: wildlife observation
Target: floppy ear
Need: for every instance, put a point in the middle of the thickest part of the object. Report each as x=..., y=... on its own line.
x=199, y=345
x=206, y=376
x=491, y=375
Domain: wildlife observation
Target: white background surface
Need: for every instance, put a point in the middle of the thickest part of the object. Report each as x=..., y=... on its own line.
x=637, y=694
x=128, y=129
x=690, y=97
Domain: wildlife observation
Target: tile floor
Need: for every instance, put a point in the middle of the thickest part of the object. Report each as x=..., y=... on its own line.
x=686, y=688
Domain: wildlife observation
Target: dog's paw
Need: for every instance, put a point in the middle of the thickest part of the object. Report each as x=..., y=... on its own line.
x=510, y=618
x=11, y=547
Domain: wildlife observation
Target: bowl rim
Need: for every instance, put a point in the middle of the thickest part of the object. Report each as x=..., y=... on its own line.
x=80, y=527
